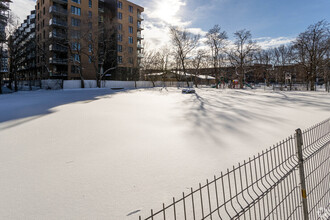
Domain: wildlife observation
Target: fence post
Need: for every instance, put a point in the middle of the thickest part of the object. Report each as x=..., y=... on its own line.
x=299, y=144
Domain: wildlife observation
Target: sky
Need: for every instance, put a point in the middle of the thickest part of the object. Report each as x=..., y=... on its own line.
x=271, y=22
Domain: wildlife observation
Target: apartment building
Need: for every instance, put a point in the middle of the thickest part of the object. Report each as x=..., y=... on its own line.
x=4, y=9
x=72, y=43
x=130, y=38
x=23, y=49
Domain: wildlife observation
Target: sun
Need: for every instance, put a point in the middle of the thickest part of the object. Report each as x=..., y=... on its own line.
x=168, y=10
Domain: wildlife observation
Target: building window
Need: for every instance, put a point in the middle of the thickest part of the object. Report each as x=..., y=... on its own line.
x=130, y=8
x=90, y=3
x=75, y=46
x=120, y=48
x=120, y=37
x=75, y=34
x=120, y=59
x=130, y=60
x=75, y=69
x=90, y=48
x=90, y=35
x=76, y=1
x=44, y=10
x=120, y=15
x=75, y=10
x=130, y=19
x=90, y=14
x=120, y=27
x=120, y=5
x=130, y=40
x=90, y=59
x=130, y=29
x=90, y=25
x=76, y=57
x=75, y=22
x=130, y=50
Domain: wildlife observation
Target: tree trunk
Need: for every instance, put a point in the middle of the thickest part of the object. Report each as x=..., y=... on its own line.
x=0, y=83
x=82, y=83
x=15, y=82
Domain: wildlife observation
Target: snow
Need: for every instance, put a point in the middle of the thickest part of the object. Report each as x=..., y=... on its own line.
x=102, y=154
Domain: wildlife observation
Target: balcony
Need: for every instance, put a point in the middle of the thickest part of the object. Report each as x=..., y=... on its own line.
x=57, y=22
x=55, y=35
x=140, y=27
x=58, y=10
x=61, y=1
x=140, y=17
x=140, y=36
x=56, y=74
x=140, y=46
x=101, y=10
x=58, y=48
x=59, y=61
x=140, y=55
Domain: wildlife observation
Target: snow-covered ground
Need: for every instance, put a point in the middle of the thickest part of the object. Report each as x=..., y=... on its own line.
x=99, y=154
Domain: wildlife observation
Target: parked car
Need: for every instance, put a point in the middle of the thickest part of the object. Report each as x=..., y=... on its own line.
x=188, y=91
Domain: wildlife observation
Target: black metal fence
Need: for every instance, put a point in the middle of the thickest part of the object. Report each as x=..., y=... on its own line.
x=290, y=180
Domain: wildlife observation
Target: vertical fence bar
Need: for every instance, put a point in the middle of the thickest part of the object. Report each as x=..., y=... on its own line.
x=299, y=144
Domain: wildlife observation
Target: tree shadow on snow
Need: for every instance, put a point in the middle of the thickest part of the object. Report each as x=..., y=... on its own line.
x=22, y=107
x=235, y=111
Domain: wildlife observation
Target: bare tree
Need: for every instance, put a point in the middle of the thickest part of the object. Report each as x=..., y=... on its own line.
x=197, y=62
x=312, y=47
x=184, y=43
x=4, y=9
x=283, y=58
x=102, y=50
x=264, y=59
x=241, y=55
x=217, y=41
x=12, y=25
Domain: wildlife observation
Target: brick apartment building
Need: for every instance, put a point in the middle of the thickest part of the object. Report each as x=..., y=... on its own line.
x=81, y=38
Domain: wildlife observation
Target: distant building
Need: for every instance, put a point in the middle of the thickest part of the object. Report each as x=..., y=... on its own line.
x=64, y=39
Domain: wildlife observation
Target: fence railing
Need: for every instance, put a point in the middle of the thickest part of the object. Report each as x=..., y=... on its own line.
x=290, y=180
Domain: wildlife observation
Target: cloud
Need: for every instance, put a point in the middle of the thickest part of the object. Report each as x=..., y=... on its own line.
x=160, y=15
x=166, y=11
x=268, y=42
x=22, y=8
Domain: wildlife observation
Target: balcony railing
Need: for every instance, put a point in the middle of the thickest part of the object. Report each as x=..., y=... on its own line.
x=101, y=10
x=53, y=60
x=140, y=46
x=57, y=22
x=61, y=1
x=58, y=10
x=58, y=74
x=58, y=48
x=140, y=17
x=140, y=55
x=140, y=27
x=140, y=36
x=56, y=35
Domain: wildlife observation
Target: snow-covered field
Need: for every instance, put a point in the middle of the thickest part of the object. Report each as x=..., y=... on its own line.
x=99, y=154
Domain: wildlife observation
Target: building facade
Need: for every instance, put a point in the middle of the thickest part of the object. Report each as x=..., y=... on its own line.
x=23, y=49
x=81, y=39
